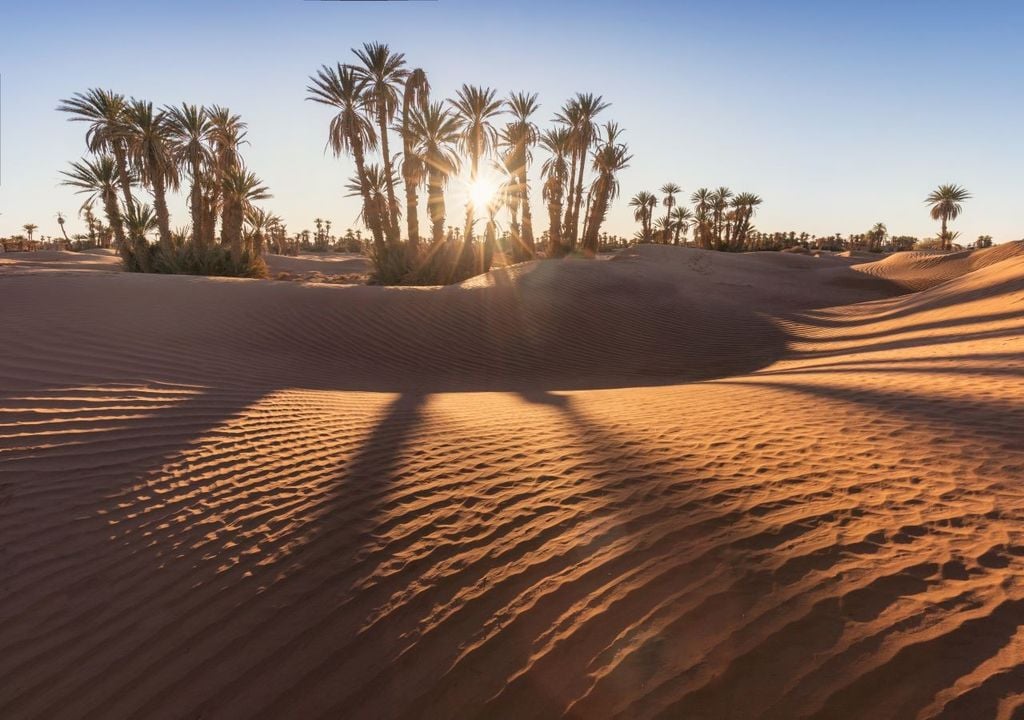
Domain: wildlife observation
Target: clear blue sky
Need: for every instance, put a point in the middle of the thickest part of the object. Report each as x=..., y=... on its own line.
x=839, y=114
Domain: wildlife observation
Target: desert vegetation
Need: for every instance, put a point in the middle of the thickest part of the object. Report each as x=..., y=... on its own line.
x=133, y=145
x=478, y=140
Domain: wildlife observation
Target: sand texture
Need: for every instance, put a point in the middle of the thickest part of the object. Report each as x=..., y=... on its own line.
x=674, y=484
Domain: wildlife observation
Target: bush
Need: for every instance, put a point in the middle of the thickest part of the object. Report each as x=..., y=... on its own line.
x=215, y=260
x=443, y=263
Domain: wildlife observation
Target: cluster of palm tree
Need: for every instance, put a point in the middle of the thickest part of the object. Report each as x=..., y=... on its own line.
x=132, y=144
x=720, y=219
x=476, y=134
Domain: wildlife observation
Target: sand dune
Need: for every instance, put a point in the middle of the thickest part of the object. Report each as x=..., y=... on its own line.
x=672, y=484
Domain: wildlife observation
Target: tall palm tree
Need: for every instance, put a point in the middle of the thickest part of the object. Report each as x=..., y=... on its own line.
x=946, y=204
x=227, y=133
x=555, y=171
x=350, y=131
x=476, y=108
x=744, y=205
x=240, y=189
x=702, y=206
x=681, y=218
x=670, y=190
x=608, y=160
x=29, y=228
x=580, y=115
x=643, y=204
x=99, y=177
x=148, y=141
x=518, y=138
x=190, y=129
x=436, y=134
x=719, y=204
x=416, y=95
x=384, y=73
x=104, y=111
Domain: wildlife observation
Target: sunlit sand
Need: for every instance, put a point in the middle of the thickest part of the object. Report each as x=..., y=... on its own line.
x=677, y=483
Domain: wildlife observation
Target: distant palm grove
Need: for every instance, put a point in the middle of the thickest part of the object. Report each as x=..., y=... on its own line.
x=409, y=152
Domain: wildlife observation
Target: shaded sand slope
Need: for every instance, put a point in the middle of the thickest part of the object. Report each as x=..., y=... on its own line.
x=637, y=319
x=833, y=531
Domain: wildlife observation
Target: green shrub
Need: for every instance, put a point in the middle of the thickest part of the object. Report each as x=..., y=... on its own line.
x=215, y=260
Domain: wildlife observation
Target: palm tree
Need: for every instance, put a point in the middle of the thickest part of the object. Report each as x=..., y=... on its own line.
x=190, y=130
x=29, y=228
x=383, y=71
x=350, y=131
x=258, y=224
x=702, y=204
x=475, y=107
x=580, y=115
x=100, y=179
x=240, y=189
x=148, y=141
x=436, y=133
x=670, y=190
x=555, y=171
x=744, y=205
x=643, y=204
x=946, y=204
x=378, y=184
x=61, y=221
x=610, y=158
x=227, y=133
x=719, y=202
x=104, y=110
x=416, y=95
x=518, y=137
x=681, y=217
x=876, y=237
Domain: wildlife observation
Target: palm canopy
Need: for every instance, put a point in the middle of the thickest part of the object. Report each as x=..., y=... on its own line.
x=436, y=133
x=555, y=141
x=946, y=201
x=476, y=107
x=95, y=176
x=149, y=142
x=342, y=87
x=242, y=186
x=104, y=111
x=643, y=201
x=383, y=72
x=190, y=129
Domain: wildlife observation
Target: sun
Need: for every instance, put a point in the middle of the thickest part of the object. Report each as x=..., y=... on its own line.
x=482, y=191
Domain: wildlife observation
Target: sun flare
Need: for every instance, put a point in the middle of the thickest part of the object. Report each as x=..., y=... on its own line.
x=482, y=191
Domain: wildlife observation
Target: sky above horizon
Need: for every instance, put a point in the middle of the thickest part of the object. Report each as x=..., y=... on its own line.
x=838, y=115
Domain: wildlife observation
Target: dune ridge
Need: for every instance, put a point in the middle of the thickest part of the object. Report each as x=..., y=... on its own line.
x=675, y=483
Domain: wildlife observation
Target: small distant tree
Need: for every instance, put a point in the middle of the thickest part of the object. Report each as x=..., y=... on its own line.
x=29, y=228
x=983, y=241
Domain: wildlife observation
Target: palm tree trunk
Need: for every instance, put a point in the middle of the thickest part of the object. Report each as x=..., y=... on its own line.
x=597, y=206
x=554, y=226
x=114, y=220
x=163, y=218
x=578, y=199
x=196, y=207
x=392, y=213
x=947, y=244
x=369, y=213
x=566, y=231
x=122, y=173
x=528, y=241
x=435, y=206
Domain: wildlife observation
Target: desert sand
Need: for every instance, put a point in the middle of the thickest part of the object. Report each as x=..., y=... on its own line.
x=675, y=484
